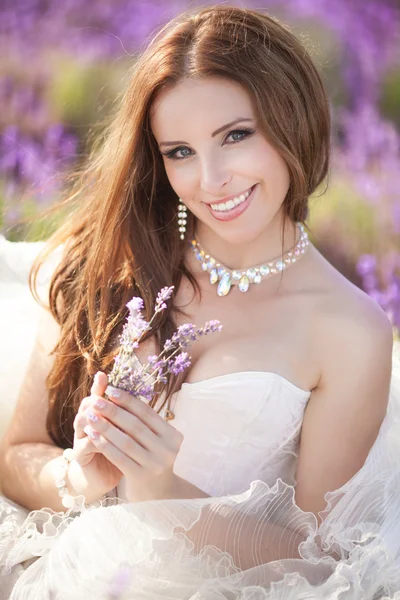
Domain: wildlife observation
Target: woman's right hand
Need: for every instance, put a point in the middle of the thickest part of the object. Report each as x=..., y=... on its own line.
x=101, y=475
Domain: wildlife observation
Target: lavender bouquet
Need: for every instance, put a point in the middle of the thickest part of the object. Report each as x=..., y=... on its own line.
x=139, y=379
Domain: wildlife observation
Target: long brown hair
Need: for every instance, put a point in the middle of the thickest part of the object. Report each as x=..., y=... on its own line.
x=121, y=239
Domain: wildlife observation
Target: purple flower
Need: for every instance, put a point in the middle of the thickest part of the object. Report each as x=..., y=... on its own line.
x=160, y=364
x=184, y=335
x=179, y=364
x=135, y=304
x=134, y=328
x=147, y=392
x=168, y=344
x=212, y=327
x=139, y=380
x=366, y=263
x=162, y=297
x=186, y=329
x=370, y=282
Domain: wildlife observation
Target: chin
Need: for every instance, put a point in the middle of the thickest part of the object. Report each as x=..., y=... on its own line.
x=239, y=236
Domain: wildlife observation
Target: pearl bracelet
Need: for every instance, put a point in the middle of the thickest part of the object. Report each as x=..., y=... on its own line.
x=67, y=499
x=61, y=479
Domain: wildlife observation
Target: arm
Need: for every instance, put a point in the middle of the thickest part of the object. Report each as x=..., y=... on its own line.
x=262, y=527
x=184, y=489
x=28, y=474
x=344, y=414
x=28, y=456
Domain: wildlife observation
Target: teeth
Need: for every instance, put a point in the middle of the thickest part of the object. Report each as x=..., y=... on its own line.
x=224, y=206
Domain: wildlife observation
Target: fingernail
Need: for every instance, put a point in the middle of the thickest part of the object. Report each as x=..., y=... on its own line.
x=91, y=432
x=112, y=391
x=92, y=417
x=96, y=377
x=100, y=404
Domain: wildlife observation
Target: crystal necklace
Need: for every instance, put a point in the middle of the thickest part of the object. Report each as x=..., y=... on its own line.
x=228, y=277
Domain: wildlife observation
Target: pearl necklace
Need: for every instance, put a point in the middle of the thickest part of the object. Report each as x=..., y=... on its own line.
x=228, y=277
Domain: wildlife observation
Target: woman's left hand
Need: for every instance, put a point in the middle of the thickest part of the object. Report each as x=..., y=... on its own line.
x=137, y=440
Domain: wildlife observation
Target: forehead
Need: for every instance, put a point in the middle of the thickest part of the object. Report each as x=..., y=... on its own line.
x=198, y=105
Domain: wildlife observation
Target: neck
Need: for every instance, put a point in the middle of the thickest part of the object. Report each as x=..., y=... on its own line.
x=264, y=248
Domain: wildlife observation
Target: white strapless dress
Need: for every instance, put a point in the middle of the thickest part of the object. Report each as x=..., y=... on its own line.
x=241, y=438
x=248, y=540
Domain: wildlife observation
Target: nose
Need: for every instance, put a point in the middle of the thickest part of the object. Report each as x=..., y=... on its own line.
x=214, y=176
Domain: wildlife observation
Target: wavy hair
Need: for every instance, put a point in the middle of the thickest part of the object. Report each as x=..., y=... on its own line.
x=121, y=237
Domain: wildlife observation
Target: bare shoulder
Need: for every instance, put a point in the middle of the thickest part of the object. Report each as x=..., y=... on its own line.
x=352, y=341
x=349, y=326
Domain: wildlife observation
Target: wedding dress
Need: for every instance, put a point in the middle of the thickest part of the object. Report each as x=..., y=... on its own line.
x=248, y=540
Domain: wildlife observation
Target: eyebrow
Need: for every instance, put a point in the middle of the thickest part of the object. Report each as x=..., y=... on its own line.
x=216, y=132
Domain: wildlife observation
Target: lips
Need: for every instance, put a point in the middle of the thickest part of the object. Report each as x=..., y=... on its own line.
x=229, y=215
x=225, y=200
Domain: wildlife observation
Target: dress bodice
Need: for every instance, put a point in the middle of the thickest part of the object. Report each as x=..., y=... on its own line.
x=237, y=428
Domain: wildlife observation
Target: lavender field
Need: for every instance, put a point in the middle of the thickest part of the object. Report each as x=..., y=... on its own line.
x=64, y=63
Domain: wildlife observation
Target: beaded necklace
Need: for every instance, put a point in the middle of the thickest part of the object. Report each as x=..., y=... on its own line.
x=244, y=278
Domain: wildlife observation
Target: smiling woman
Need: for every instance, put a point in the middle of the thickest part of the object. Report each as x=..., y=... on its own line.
x=274, y=471
x=224, y=166
x=222, y=169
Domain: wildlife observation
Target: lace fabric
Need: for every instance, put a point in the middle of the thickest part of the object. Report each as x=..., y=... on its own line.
x=248, y=540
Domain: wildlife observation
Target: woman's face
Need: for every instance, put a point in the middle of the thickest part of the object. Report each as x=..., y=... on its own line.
x=215, y=154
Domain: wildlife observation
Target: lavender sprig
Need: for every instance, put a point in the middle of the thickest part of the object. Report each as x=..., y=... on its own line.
x=162, y=297
x=138, y=379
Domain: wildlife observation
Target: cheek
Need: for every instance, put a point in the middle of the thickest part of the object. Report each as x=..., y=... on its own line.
x=182, y=181
x=271, y=167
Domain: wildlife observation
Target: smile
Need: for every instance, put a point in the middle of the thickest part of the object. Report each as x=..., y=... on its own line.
x=225, y=206
x=226, y=211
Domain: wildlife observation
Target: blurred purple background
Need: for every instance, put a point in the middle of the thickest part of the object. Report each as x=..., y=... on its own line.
x=63, y=63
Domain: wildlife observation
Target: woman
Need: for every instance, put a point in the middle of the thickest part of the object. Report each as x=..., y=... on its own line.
x=272, y=469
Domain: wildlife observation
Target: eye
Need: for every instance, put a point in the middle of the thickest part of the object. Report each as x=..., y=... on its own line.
x=173, y=153
x=243, y=133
